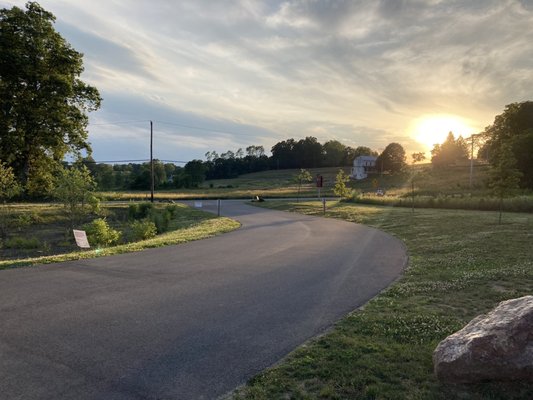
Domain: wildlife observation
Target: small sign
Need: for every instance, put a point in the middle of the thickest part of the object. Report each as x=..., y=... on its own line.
x=319, y=181
x=81, y=239
x=197, y=204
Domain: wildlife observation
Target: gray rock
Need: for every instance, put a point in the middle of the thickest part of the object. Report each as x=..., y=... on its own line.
x=497, y=346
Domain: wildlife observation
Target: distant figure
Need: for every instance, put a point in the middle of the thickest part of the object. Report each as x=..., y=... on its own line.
x=259, y=199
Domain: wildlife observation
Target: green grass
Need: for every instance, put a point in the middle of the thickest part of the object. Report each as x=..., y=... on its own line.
x=461, y=264
x=189, y=224
x=272, y=184
x=433, y=188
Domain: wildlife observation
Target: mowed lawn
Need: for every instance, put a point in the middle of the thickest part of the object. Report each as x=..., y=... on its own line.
x=461, y=264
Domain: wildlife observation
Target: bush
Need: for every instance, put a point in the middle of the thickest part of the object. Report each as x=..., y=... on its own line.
x=142, y=230
x=99, y=233
x=172, y=209
x=18, y=242
x=140, y=211
x=162, y=221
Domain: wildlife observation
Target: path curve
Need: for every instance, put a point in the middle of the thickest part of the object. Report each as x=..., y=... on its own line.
x=191, y=321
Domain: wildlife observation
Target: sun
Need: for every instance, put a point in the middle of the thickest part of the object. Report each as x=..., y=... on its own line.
x=433, y=129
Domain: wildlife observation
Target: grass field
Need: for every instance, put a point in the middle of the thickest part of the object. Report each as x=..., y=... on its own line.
x=272, y=184
x=461, y=264
x=433, y=188
x=40, y=230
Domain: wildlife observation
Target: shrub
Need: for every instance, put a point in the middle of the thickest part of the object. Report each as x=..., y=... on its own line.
x=18, y=242
x=142, y=230
x=172, y=209
x=99, y=233
x=23, y=220
x=140, y=211
x=162, y=221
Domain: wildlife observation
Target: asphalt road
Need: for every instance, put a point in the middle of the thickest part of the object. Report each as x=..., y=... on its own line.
x=191, y=321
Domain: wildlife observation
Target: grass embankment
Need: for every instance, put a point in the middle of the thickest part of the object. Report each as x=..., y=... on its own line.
x=49, y=224
x=461, y=264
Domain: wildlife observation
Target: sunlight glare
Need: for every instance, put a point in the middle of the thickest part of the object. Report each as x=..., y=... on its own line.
x=433, y=129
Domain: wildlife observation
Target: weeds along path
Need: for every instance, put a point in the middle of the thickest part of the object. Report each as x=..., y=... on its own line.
x=188, y=321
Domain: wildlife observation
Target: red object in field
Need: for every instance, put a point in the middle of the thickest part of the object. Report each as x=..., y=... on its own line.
x=319, y=180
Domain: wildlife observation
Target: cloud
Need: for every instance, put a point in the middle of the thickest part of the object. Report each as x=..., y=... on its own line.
x=362, y=70
x=99, y=51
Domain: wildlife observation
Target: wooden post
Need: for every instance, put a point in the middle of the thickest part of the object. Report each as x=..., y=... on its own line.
x=152, y=184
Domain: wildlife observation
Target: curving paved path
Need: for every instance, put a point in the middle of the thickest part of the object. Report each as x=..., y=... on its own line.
x=191, y=321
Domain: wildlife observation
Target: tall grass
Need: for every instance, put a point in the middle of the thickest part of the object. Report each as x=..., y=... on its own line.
x=522, y=203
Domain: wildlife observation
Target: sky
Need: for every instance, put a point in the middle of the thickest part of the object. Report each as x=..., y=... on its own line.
x=222, y=75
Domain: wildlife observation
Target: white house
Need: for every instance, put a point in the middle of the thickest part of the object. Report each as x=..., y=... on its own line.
x=362, y=165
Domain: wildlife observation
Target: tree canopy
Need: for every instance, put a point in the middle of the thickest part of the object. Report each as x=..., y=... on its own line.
x=449, y=152
x=514, y=127
x=392, y=159
x=43, y=101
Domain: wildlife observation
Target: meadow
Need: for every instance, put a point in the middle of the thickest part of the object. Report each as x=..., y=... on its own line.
x=421, y=185
x=461, y=264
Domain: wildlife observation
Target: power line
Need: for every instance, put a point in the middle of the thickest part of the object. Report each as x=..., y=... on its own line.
x=122, y=161
x=204, y=129
x=108, y=161
x=121, y=122
x=228, y=132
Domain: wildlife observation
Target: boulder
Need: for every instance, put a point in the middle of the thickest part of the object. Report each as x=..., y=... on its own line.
x=497, y=346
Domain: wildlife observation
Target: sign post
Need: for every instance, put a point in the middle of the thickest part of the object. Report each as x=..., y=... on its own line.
x=319, y=183
x=81, y=239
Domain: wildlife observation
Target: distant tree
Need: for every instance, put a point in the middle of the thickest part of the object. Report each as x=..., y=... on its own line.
x=170, y=170
x=74, y=187
x=9, y=188
x=211, y=155
x=228, y=155
x=449, y=152
x=504, y=176
x=239, y=153
x=334, y=152
x=43, y=102
x=392, y=159
x=418, y=157
x=255, y=151
x=340, y=188
x=196, y=170
x=303, y=176
x=364, y=151
x=142, y=176
x=283, y=154
x=513, y=127
x=104, y=175
x=308, y=152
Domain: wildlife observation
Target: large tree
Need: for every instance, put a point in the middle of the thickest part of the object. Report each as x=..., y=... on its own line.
x=392, y=159
x=449, y=152
x=334, y=152
x=514, y=127
x=43, y=101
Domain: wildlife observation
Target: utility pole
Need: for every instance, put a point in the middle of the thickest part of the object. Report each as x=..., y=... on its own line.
x=472, y=139
x=151, y=162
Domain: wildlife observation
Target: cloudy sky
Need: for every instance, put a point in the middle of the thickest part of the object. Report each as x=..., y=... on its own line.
x=219, y=75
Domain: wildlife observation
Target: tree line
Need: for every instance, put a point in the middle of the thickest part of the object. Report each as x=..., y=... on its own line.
x=305, y=153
